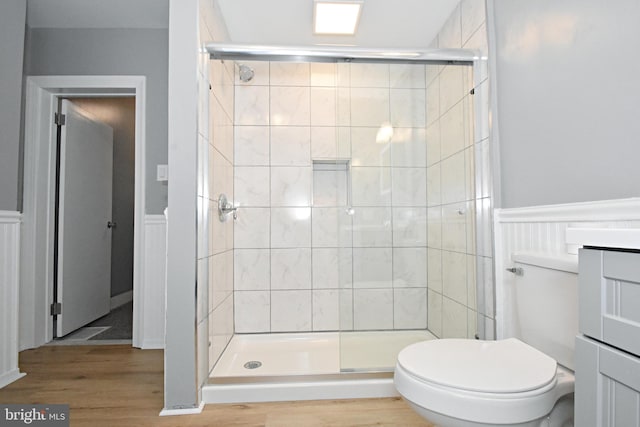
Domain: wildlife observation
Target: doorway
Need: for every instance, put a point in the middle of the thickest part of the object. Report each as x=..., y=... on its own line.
x=39, y=219
x=93, y=281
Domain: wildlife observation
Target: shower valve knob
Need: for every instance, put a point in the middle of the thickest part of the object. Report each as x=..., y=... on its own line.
x=225, y=208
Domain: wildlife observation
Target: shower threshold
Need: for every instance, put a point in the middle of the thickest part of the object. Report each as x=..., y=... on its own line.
x=308, y=366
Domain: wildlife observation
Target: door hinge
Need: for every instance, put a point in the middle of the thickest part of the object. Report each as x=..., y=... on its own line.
x=59, y=119
x=56, y=308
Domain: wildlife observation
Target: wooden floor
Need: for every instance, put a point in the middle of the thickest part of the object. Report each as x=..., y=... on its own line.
x=120, y=385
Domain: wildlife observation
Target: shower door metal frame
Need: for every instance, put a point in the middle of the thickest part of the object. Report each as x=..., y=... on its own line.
x=347, y=54
x=235, y=51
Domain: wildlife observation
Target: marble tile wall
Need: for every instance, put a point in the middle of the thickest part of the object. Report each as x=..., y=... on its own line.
x=301, y=262
x=215, y=176
x=459, y=201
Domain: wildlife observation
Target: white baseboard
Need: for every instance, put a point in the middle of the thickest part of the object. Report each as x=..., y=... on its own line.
x=185, y=411
x=9, y=377
x=121, y=299
x=157, y=344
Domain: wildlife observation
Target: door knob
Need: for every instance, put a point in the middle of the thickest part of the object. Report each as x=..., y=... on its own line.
x=111, y=224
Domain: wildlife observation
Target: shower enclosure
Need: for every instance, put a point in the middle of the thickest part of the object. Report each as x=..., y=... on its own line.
x=354, y=185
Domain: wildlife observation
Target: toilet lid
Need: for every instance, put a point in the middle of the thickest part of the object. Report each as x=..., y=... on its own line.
x=504, y=366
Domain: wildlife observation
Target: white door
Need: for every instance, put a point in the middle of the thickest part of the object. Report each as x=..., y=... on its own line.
x=84, y=239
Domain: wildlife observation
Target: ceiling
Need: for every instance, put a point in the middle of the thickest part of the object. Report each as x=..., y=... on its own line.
x=383, y=23
x=98, y=13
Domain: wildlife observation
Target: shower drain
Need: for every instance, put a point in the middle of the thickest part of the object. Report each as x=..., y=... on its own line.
x=252, y=364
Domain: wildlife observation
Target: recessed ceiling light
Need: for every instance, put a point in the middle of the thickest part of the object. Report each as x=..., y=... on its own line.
x=336, y=17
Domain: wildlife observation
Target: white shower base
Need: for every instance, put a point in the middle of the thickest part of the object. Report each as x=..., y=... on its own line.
x=317, y=353
x=280, y=354
x=308, y=366
x=376, y=351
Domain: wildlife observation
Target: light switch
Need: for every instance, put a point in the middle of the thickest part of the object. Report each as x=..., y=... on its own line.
x=163, y=173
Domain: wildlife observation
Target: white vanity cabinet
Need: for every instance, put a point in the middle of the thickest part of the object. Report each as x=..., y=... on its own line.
x=607, y=386
x=607, y=352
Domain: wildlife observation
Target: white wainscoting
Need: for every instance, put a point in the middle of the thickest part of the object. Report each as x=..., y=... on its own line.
x=152, y=312
x=543, y=229
x=9, y=282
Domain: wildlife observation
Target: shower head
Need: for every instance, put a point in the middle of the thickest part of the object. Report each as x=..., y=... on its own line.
x=245, y=73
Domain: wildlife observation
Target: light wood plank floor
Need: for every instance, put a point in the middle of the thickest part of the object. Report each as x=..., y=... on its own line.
x=123, y=386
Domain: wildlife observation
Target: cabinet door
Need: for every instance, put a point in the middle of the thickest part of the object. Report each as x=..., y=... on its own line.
x=607, y=386
x=609, y=298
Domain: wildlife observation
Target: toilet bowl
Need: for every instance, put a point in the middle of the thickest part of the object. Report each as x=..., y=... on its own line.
x=525, y=379
x=464, y=383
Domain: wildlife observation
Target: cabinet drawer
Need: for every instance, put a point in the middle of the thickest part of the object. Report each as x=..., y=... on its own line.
x=609, y=297
x=607, y=390
x=623, y=266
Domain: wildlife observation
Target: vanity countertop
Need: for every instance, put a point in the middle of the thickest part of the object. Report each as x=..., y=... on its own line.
x=620, y=238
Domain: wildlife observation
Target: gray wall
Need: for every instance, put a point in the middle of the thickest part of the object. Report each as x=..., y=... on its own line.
x=568, y=111
x=113, y=52
x=120, y=114
x=12, y=34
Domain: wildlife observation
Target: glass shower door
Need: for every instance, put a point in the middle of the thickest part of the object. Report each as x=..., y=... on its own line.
x=383, y=298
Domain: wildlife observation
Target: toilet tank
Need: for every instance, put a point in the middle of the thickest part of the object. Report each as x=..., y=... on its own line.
x=546, y=293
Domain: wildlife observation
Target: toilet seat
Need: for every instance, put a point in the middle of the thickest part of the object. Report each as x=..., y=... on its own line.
x=457, y=391
x=505, y=366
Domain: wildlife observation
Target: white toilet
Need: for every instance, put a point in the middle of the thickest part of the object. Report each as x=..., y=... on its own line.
x=522, y=381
